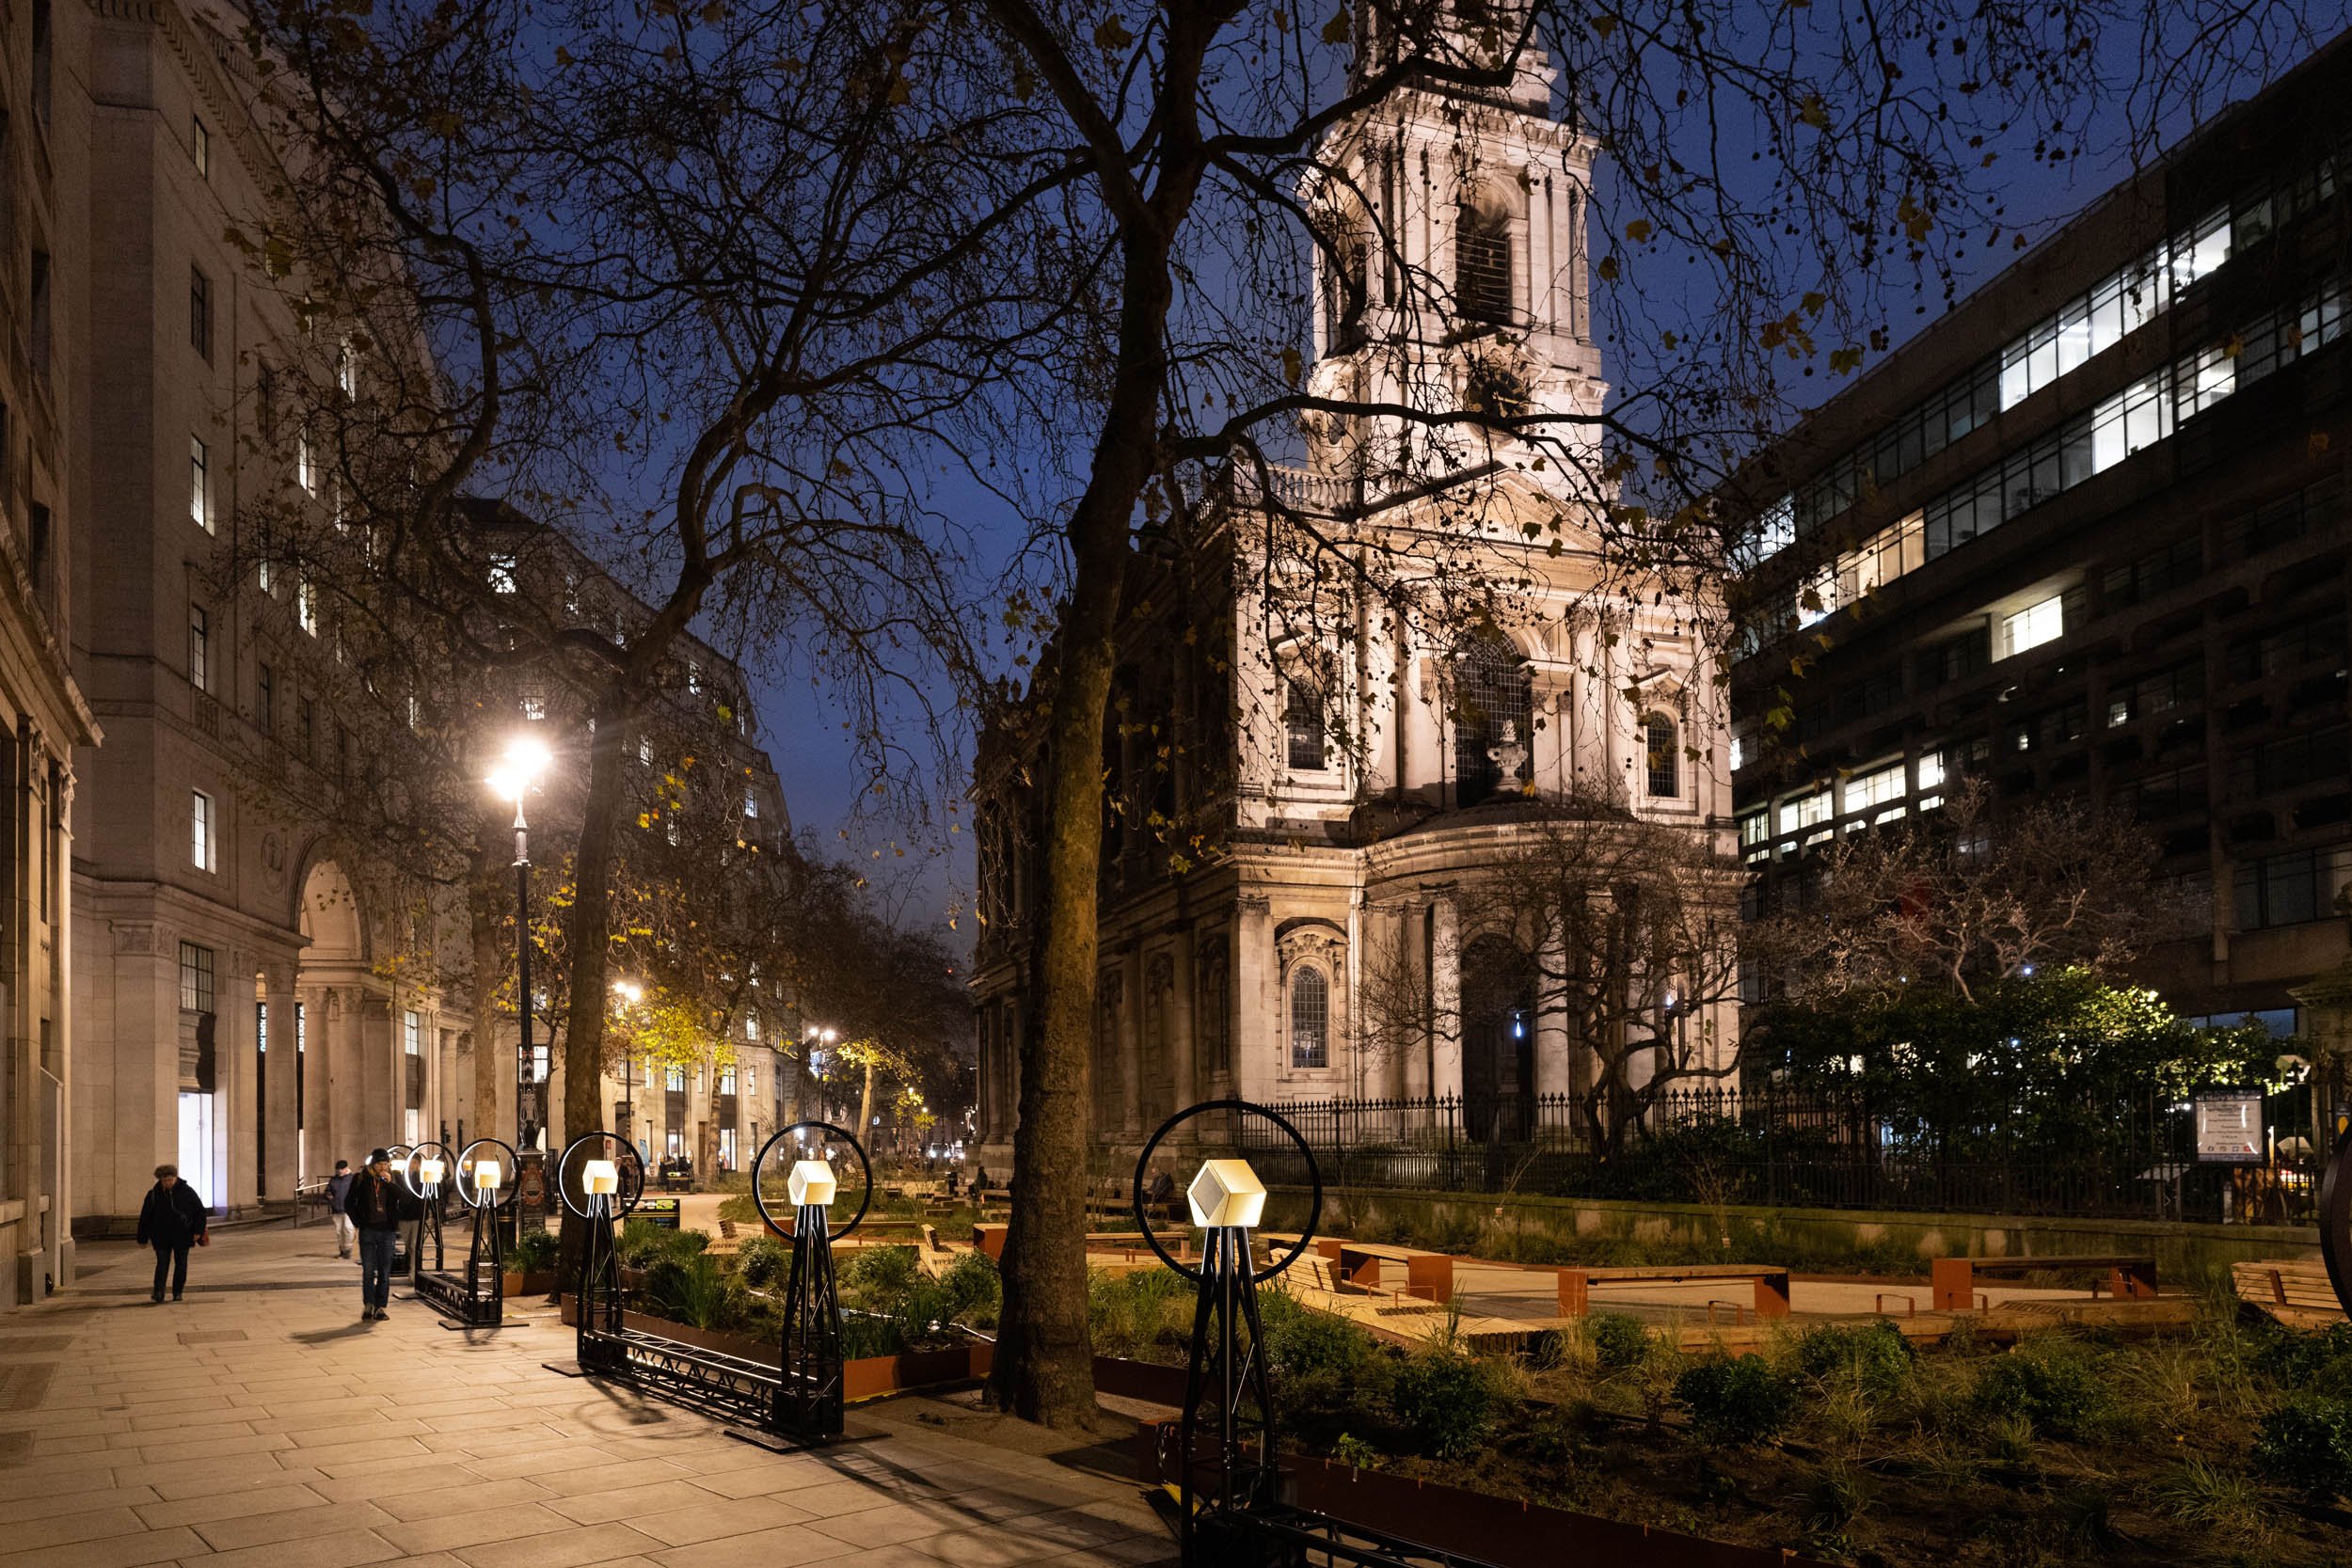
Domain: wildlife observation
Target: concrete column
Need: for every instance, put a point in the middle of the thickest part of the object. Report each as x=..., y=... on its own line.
x=319, y=1151
x=1184, y=1054
x=1445, y=992
x=279, y=1108
x=1351, y=1013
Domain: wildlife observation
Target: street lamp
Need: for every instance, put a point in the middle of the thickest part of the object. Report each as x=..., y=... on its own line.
x=516, y=776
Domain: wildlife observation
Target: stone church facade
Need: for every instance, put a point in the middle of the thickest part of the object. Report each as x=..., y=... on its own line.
x=1357, y=687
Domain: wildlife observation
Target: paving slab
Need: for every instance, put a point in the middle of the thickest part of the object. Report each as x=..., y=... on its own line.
x=259, y=1423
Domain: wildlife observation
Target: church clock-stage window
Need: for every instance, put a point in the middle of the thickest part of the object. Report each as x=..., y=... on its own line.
x=1494, y=714
x=1310, y=1018
x=1664, y=743
x=1302, y=723
x=1481, y=265
x=1347, y=281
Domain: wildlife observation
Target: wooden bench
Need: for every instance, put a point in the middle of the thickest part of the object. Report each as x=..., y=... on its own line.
x=2293, y=1290
x=1772, y=1284
x=1398, y=1270
x=726, y=1231
x=1952, y=1280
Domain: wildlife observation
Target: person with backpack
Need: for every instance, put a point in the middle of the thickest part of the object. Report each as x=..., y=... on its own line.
x=172, y=1220
x=337, y=1197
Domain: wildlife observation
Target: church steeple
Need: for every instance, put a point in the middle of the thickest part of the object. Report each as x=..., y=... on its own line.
x=1450, y=257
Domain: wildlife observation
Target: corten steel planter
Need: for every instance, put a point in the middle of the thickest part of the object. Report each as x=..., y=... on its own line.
x=1498, y=1530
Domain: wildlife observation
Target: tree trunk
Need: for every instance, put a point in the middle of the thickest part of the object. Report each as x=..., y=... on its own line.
x=865, y=1106
x=590, y=944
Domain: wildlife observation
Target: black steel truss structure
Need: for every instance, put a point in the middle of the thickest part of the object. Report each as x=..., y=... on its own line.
x=477, y=1297
x=808, y=1401
x=1224, y=1389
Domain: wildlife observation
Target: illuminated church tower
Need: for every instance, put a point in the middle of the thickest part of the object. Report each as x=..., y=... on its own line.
x=1450, y=265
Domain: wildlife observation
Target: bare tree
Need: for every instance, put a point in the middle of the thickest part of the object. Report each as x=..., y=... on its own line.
x=1951, y=899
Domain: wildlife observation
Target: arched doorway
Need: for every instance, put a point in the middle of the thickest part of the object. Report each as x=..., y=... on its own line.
x=1498, y=1041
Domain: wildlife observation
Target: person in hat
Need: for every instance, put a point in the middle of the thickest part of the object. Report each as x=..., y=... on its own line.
x=374, y=1203
x=171, y=1221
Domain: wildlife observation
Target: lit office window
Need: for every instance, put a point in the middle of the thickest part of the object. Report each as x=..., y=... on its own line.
x=2033, y=625
x=200, y=830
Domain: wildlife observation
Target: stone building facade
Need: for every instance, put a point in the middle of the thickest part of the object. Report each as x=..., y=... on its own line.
x=1312, y=772
x=43, y=378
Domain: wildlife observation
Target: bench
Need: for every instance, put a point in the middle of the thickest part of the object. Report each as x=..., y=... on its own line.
x=1952, y=1280
x=2297, y=1287
x=726, y=1231
x=1772, y=1284
x=1398, y=1270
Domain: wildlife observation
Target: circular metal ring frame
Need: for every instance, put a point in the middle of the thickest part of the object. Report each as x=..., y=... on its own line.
x=400, y=1151
x=857, y=1148
x=471, y=1195
x=408, y=1164
x=1314, y=1180
x=2335, y=1218
x=630, y=1157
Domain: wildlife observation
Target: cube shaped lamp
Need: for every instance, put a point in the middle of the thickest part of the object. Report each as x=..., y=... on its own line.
x=600, y=1177
x=486, y=1176
x=1226, y=1192
x=430, y=1171
x=811, y=1183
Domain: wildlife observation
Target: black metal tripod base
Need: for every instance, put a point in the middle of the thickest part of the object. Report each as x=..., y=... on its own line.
x=478, y=1328
x=777, y=1442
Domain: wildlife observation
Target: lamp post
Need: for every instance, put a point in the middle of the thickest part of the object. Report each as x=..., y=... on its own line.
x=516, y=775
x=631, y=994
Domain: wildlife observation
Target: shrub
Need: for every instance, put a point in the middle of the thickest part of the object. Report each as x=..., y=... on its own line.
x=1139, y=1310
x=1443, y=1401
x=2197, y=1492
x=534, y=1249
x=693, y=1290
x=1618, y=1339
x=1737, y=1401
x=975, y=1289
x=1876, y=1353
x=877, y=1278
x=764, y=1262
x=2307, y=1444
x=2318, y=1363
x=2052, y=1385
x=1318, y=1362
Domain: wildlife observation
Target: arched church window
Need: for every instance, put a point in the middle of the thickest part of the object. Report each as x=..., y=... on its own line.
x=1310, y=1018
x=1664, y=743
x=1483, y=289
x=1494, y=710
x=1302, y=724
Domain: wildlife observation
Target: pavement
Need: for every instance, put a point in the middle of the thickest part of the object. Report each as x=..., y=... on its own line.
x=259, y=1423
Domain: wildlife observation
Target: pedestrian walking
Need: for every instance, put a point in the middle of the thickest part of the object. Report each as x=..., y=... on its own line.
x=374, y=1206
x=337, y=1198
x=171, y=1221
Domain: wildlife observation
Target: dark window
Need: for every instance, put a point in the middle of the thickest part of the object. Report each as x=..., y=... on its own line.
x=195, y=978
x=1494, y=709
x=1665, y=757
x=1302, y=719
x=2289, y=889
x=1310, y=1018
x=200, y=312
x=1481, y=265
x=265, y=699
x=199, y=648
x=307, y=720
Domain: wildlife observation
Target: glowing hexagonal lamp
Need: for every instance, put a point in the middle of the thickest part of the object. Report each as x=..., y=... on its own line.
x=486, y=1176
x=600, y=1178
x=811, y=1183
x=1226, y=1192
x=430, y=1171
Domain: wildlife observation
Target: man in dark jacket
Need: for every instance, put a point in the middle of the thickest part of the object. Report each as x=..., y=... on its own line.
x=337, y=1197
x=171, y=1221
x=374, y=1206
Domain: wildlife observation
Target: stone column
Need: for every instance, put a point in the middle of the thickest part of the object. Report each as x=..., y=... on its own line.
x=235, y=1077
x=279, y=1110
x=1129, y=1052
x=1184, y=1047
x=1256, y=1006
x=1554, y=1050
x=1445, y=993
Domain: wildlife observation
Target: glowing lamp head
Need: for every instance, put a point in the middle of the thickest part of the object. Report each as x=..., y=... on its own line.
x=430, y=1171
x=526, y=761
x=811, y=1183
x=1226, y=1192
x=486, y=1176
x=600, y=1178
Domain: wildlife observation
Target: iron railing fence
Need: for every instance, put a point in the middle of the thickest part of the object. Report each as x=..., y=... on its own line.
x=1803, y=1146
